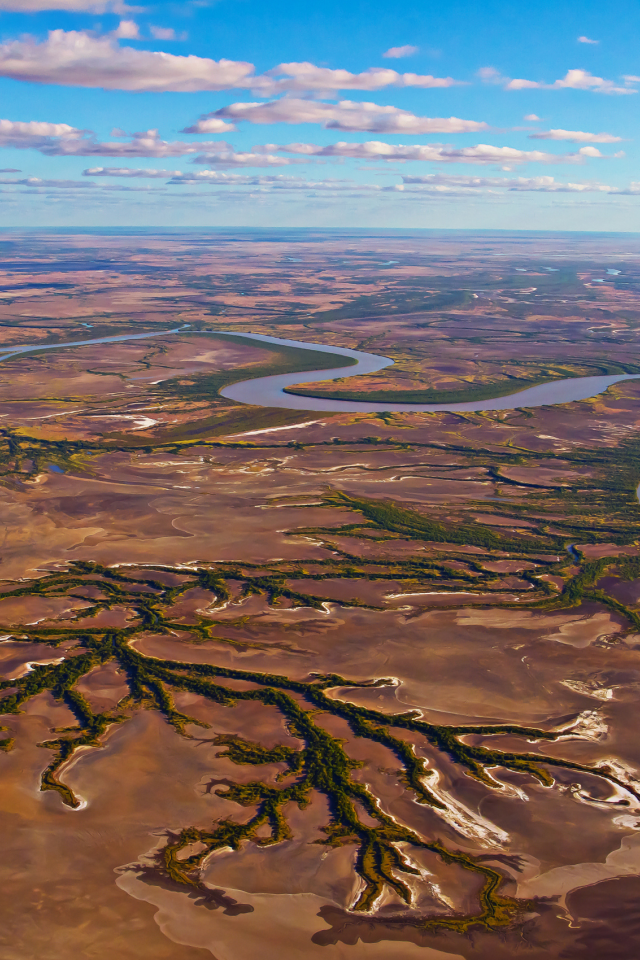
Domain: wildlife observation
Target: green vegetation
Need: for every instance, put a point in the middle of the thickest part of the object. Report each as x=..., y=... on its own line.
x=488, y=388
x=321, y=764
x=286, y=359
x=600, y=506
x=400, y=301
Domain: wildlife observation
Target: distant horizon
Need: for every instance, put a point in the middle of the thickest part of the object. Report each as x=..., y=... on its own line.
x=364, y=231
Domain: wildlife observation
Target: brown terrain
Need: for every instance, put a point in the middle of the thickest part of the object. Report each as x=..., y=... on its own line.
x=425, y=627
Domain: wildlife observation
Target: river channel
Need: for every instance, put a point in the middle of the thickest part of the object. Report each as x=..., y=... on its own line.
x=269, y=391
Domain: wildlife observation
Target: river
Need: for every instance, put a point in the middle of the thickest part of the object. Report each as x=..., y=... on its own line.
x=269, y=391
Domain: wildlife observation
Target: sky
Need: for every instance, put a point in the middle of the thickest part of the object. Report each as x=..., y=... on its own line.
x=464, y=115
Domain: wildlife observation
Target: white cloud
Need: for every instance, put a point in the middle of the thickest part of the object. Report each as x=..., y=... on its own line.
x=482, y=153
x=583, y=80
x=127, y=30
x=228, y=158
x=573, y=80
x=129, y=172
x=531, y=117
x=587, y=40
x=575, y=136
x=345, y=115
x=162, y=33
x=60, y=139
x=277, y=182
x=76, y=58
x=541, y=184
x=222, y=157
x=76, y=6
x=37, y=182
x=144, y=144
x=396, y=53
x=308, y=78
x=34, y=133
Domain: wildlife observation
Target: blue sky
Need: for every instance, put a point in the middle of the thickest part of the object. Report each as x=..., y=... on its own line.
x=465, y=115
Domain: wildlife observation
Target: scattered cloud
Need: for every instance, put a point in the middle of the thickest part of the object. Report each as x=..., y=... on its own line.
x=145, y=144
x=127, y=30
x=229, y=158
x=531, y=117
x=575, y=136
x=62, y=140
x=37, y=182
x=395, y=53
x=543, y=184
x=79, y=58
x=308, y=78
x=76, y=58
x=9, y=170
x=75, y=6
x=587, y=40
x=573, y=79
x=162, y=33
x=345, y=115
x=20, y=134
x=213, y=177
x=129, y=172
x=490, y=75
x=482, y=153
x=221, y=156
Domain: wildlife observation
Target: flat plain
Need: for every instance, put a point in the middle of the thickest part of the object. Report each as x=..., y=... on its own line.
x=354, y=685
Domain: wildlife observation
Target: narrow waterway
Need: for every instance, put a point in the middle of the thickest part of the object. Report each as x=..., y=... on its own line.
x=7, y=352
x=269, y=391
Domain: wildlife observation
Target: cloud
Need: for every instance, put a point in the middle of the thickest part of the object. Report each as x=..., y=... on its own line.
x=531, y=116
x=574, y=80
x=162, y=33
x=37, y=182
x=9, y=170
x=482, y=153
x=395, y=53
x=543, y=184
x=345, y=115
x=127, y=30
x=76, y=6
x=62, y=140
x=490, y=75
x=144, y=144
x=224, y=157
x=587, y=40
x=76, y=58
x=228, y=158
x=575, y=136
x=34, y=133
x=308, y=78
x=128, y=172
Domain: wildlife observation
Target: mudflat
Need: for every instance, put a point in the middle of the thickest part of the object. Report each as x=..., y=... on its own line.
x=353, y=684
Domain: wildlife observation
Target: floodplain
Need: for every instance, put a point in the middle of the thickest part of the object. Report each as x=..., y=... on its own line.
x=363, y=685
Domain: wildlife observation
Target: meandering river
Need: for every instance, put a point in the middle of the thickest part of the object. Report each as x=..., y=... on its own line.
x=269, y=391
